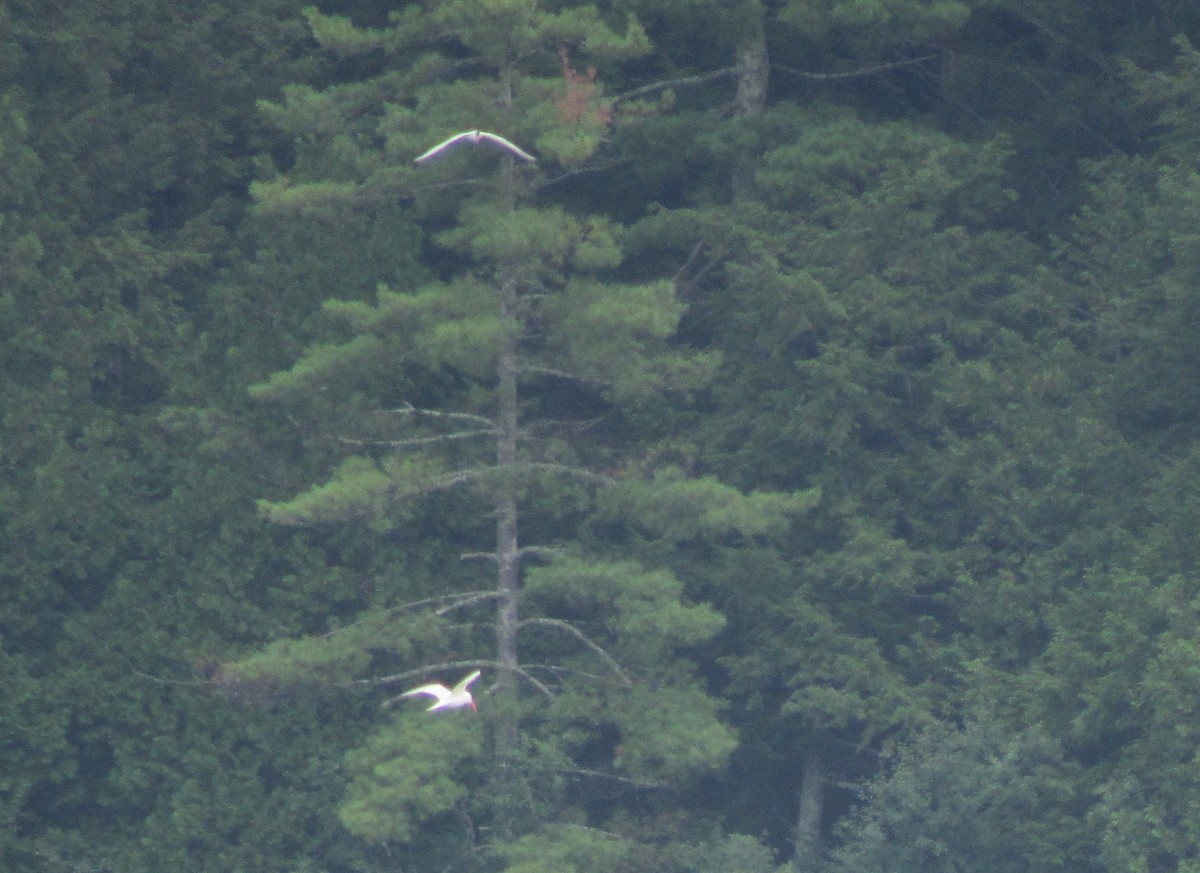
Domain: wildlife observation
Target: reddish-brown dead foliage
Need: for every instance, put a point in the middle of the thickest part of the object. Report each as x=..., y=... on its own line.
x=580, y=103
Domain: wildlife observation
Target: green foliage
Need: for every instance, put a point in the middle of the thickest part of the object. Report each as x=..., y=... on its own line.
x=732, y=853
x=969, y=799
x=336, y=656
x=898, y=19
x=911, y=423
x=640, y=607
x=320, y=367
x=667, y=728
x=671, y=733
x=242, y=774
x=567, y=849
x=681, y=508
x=337, y=33
x=35, y=752
x=1170, y=94
x=405, y=774
x=359, y=489
x=462, y=382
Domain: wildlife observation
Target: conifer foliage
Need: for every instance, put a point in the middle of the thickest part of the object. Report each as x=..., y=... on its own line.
x=803, y=445
x=497, y=389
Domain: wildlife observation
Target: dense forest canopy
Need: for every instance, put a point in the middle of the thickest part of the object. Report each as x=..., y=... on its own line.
x=805, y=446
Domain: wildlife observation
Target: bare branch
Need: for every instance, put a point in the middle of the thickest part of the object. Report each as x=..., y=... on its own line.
x=475, y=597
x=574, y=472
x=458, y=477
x=477, y=556
x=409, y=409
x=675, y=83
x=560, y=671
x=599, y=167
x=426, y=670
x=416, y=441
x=696, y=253
x=626, y=780
x=569, y=628
x=541, y=551
x=566, y=374
x=534, y=682
x=196, y=682
x=459, y=597
x=693, y=256
x=469, y=475
x=549, y=424
x=854, y=74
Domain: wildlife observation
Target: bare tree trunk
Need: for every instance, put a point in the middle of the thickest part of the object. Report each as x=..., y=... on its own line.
x=754, y=68
x=508, y=576
x=812, y=808
x=508, y=554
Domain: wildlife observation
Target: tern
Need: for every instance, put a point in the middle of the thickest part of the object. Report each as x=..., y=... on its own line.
x=447, y=698
x=474, y=137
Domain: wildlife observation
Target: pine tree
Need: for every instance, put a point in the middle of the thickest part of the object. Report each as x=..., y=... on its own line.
x=1120, y=670
x=860, y=290
x=513, y=378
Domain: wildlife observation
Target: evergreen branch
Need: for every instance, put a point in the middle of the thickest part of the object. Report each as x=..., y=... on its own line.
x=569, y=628
x=700, y=79
x=854, y=74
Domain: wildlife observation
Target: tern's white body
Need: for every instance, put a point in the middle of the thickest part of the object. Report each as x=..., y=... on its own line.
x=447, y=698
x=474, y=137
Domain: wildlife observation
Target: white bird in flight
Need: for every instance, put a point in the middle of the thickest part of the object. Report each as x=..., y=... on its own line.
x=447, y=698
x=474, y=137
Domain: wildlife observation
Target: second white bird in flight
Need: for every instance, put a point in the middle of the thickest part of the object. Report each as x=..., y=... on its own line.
x=447, y=698
x=474, y=137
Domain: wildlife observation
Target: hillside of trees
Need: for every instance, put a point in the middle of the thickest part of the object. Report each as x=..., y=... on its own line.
x=805, y=446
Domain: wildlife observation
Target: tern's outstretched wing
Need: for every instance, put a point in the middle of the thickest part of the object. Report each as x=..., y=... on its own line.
x=474, y=136
x=448, y=144
x=441, y=692
x=496, y=139
x=462, y=686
